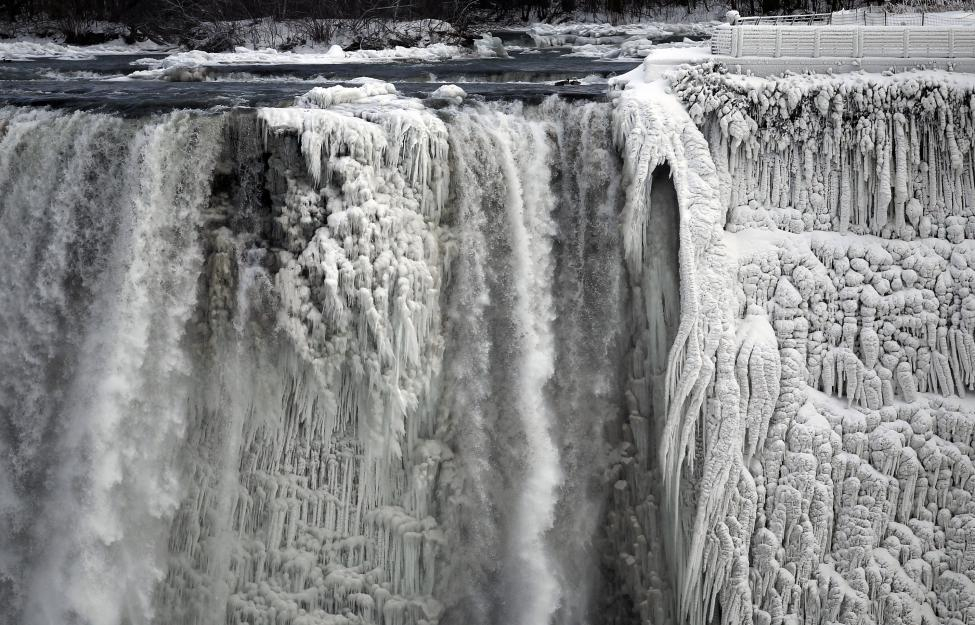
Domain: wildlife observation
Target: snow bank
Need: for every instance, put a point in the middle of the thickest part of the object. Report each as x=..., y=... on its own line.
x=315, y=35
x=578, y=34
x=39, y=48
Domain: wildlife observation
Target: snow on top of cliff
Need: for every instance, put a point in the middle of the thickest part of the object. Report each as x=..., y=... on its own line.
x=806, y=82
x=659, y=60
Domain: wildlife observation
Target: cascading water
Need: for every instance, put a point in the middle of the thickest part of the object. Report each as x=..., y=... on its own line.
x=352, y=360
x=100, y=219
x=533, y=373
x=504, y=213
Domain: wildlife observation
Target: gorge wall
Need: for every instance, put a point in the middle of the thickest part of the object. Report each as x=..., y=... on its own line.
x=849, y=201
x=689, y=357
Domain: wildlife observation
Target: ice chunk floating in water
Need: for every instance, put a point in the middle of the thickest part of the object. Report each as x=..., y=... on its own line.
x=371, y=359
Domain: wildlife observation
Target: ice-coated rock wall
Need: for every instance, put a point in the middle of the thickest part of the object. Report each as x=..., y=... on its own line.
x=887, y=156
x=322, y=498
x=848, y=203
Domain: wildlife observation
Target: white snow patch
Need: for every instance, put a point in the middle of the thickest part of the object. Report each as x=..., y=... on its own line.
x=24, y=50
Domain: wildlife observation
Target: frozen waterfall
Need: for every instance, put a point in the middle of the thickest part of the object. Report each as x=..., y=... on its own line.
x=697, y=354
x=362, y=364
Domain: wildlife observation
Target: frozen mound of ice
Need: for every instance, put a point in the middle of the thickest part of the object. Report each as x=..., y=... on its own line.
x=451, y=94
x=332, y=519
x=708, y=496
x=490, y=47
x=637, y=47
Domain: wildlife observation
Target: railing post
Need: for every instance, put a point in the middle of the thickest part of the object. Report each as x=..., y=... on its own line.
x=907, y=42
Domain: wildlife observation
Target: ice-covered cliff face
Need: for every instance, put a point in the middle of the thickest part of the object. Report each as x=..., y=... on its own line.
x=689, y=357
x=849, y=203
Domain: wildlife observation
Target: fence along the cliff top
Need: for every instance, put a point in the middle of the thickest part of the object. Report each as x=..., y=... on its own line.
x=762, y=37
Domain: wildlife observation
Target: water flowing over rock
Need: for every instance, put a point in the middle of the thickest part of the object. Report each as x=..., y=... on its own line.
x=697, y=354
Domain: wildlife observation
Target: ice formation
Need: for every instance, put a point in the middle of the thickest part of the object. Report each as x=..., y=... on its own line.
x=700, y=513
x=847, y=202
x=333, y=512
x=196, y=59
x=699, y=354
x=448, y=94
x=579, y=34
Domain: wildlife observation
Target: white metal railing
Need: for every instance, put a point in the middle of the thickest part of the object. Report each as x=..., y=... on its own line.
x=858, y=17
x=843, y=41
x=785, y=20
